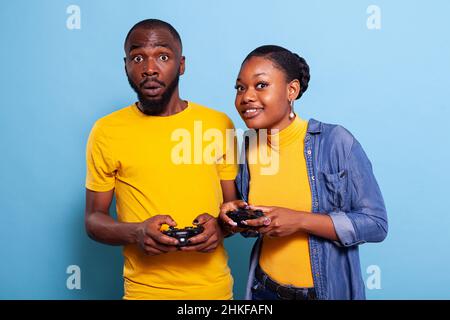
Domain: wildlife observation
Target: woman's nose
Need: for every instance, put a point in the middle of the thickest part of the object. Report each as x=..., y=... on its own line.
x=249, y=96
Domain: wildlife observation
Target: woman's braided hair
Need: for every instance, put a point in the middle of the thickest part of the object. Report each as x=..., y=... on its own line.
x=293, y=66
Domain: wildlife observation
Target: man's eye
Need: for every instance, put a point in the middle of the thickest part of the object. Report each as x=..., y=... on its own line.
x=261, y=85
x=138, y=59
x=164, y=57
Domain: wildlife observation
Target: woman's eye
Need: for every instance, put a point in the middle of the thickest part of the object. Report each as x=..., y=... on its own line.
x=261, y=85
x=138, y=59
x=239, y=88
x=164, y=57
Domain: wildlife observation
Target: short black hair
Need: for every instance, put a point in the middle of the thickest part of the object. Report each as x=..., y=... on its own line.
x=155, y=24
x=293, y=66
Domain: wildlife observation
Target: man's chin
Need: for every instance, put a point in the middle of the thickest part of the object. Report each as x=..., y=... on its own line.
x=154, y=102
x=152, y=107
x=149, y=100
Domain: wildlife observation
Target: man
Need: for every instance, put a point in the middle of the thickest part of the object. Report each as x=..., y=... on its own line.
x=131, y=153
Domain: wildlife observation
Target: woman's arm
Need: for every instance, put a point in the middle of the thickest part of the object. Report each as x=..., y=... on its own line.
x=366, y=221
x=229, y=190
x=281, y=222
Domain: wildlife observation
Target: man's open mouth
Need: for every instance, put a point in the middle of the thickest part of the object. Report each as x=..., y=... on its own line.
x=152, y=88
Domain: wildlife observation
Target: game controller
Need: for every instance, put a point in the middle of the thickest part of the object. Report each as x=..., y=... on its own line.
x=183, y=235
x=240, y=215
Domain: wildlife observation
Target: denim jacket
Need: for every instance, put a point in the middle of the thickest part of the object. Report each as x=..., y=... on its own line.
x=344, y=187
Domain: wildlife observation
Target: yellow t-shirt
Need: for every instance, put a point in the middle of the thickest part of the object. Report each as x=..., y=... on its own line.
x=284, y=259
x=165, y=165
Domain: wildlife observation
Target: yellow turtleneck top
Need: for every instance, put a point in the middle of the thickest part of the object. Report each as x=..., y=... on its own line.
x=284, y=259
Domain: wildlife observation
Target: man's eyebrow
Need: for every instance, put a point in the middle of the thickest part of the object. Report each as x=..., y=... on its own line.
x=133, y=47
x=158, y=44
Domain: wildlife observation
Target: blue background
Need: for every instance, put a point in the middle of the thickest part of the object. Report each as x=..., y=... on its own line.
x=389, y=87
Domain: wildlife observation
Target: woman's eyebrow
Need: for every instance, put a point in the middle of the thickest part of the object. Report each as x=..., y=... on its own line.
x=254, y=76
x=259, y=74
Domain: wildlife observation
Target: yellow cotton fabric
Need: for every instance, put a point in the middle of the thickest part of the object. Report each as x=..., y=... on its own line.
x=141, y=158
x=285, y=259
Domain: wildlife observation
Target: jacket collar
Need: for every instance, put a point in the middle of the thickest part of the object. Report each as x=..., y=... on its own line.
x=314, y=126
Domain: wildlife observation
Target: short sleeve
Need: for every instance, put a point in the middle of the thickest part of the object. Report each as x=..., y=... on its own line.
x=100, y=168
x=228, y=166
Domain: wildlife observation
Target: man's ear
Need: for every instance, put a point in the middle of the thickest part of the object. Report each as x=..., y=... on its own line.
x=293, y=89
x=125, y=63
x=182, y=65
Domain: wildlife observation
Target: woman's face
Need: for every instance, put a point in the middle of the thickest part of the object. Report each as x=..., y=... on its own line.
x=263, y=94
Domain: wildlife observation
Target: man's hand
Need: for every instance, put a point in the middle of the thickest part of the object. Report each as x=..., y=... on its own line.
x=227, y=224
x=209, y=239
x=150, y=238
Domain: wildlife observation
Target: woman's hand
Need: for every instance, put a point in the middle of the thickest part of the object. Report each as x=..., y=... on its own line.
x=281, y=222
x=227, y=224
x=277, y=221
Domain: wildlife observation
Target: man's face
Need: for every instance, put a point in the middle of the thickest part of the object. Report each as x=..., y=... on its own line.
x=153, y=64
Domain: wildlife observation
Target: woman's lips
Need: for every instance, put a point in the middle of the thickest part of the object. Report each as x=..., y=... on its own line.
x=251, y=113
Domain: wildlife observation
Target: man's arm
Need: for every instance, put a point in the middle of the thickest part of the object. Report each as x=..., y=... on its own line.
x=100, y=226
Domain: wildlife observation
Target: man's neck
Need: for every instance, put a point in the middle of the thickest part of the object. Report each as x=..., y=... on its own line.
x=174, y=106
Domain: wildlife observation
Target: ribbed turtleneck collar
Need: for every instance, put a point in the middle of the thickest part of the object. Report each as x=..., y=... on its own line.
x=295, y=130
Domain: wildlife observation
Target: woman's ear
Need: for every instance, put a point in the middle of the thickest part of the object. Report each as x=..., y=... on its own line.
x=293, y=89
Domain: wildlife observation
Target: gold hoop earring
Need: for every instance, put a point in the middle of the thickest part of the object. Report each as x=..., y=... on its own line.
x=292, y=114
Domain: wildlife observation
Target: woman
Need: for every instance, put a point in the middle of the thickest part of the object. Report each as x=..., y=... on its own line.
x=320, y=204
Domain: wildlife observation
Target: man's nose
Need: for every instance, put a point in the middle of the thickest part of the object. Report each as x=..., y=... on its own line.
x=150, y=68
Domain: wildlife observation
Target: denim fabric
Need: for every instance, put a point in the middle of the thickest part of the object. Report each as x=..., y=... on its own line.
x=344, y=187
x=259, y=292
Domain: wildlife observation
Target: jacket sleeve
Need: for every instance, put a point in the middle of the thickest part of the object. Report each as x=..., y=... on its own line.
x=367, y=219
x=242, y=188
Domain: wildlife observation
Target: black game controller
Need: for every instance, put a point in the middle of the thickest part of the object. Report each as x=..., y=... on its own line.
x=182, y=235
x=240, y=215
